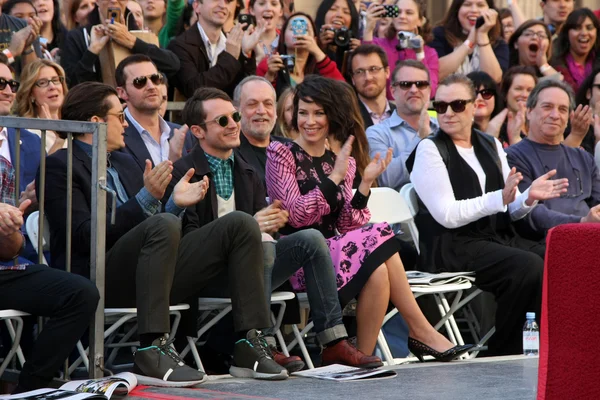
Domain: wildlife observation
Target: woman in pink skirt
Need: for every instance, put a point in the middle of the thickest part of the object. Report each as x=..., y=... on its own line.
x=315, y=186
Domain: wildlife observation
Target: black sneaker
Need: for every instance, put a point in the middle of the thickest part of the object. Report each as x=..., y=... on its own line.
x=252, y=359
x=160, y=365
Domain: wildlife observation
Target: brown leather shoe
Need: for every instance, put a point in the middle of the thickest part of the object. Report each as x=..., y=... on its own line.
x=291, y=363
x=344, y=353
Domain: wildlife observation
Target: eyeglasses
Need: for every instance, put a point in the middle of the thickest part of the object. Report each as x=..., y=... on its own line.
x=120, y=115
x=141, y=81
x=406, y=85
x=14, y=85
x=363, y=72
x=457, y=106
x=223, y=120
x=529, y=34
x=486, y=94
x=56, y=80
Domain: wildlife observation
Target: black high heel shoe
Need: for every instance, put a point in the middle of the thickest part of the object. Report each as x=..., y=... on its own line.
x=420, y=349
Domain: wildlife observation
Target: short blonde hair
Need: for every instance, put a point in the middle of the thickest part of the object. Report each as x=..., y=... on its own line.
x=23, y=106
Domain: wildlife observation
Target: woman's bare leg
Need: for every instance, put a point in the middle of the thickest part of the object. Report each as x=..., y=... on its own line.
x=404, y=300
x=372, y=304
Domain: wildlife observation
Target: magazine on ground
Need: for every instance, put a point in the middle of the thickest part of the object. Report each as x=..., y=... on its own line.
x=443, y=278
x=102, y=388
x=343, y=373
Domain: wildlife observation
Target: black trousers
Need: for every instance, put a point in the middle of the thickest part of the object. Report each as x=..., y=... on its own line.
x=69, y=301
x=513, y=274
x=151, y=267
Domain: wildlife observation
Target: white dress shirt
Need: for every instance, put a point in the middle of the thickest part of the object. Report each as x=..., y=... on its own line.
x=213, y=50
x=4, y=147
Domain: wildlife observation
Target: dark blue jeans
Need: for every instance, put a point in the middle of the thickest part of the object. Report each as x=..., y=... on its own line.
x=307, y=249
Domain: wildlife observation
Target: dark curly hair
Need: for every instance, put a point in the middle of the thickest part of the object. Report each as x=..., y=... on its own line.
x=340, y=105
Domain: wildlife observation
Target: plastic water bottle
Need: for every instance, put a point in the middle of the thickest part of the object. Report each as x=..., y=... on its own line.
x=531, y=336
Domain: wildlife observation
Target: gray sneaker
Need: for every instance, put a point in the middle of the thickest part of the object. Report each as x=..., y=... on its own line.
x=252, y=359
x=160, y=365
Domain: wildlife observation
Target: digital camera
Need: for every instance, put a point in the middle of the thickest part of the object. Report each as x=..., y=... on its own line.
x=342, y=36
x=408, y=40
x=289, y=61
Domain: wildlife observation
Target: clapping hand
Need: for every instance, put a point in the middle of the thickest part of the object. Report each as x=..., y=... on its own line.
x=543, y=188
x=510, y=186
x=157, y=179
x=376, y=167
x=495, y=124
x=250, y=38
x=186, y=194
x=272, y=218
x=581, y=119
x=176, y=142
x=11, y=218
x=341, y=162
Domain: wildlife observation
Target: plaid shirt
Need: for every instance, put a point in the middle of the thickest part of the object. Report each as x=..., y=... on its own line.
x=222, y=171
x=7, y=182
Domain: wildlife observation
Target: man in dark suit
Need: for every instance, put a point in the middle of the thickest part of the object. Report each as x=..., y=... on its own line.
x=148, y=264
x=368, y=66
x=148, y=136
x=237, y=186
x=208, y=58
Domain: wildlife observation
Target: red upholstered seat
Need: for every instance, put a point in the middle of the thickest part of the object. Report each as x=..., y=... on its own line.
x=569, y=358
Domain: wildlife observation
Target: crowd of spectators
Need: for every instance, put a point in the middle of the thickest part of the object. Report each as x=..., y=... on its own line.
x=495, y=120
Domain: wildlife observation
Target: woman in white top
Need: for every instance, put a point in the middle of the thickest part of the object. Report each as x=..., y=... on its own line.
x=41, y=95
x=469, y=199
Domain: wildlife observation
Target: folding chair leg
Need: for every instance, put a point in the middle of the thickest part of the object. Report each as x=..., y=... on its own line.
x=192, y=346
x=11, y=331
x=385, y=349
x=303, y=348
x=298, y=338
x=16, y=339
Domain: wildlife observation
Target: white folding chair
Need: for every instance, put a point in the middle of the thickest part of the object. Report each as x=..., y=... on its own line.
x=15, y=332
x=223, y=306
x=388, y=205
x=409, y=194
x=115, y=318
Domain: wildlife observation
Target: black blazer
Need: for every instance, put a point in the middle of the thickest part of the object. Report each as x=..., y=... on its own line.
x=129, y=214
x=250, y=194
x=195, y=71
x=245, y=150
x=135, y=146
x=365, y=114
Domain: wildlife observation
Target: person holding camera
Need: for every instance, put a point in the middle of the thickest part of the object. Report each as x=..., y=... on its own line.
x=82, y=47
x=406, y=37
x=338, y=25
x=299, y=54
x=469, y=39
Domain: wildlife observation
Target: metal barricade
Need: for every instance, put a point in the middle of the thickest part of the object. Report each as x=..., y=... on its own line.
x=98, y=228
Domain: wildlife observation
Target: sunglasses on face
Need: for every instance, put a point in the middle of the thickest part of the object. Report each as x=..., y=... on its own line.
x=120, y=115
x=141, y=81
x=223, y=120
x=56, y=81
x=14, y=85
x=406, y=85
x=457, y=106
x=486, y=94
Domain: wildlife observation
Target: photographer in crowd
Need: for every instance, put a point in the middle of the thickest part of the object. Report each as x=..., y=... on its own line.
x=405, y=38
x=299, y=54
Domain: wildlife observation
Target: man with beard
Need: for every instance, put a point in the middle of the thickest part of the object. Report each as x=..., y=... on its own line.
x=408, y=124
x=369, y=70
x=148, y=136
x=255, y=99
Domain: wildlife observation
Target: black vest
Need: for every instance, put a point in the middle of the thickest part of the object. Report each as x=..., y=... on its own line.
x=442, y=249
